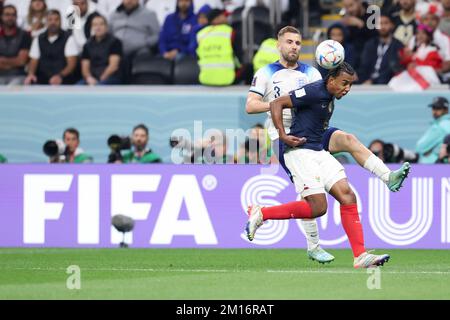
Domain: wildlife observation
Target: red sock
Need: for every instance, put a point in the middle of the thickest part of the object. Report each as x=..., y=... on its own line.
x=353, y=228
x=291, y=210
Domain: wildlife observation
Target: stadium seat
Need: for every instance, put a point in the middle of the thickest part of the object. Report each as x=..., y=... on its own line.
x=236, y=16
x=148, y=70
x=186, y=71
x=263, y=28
x=236, y=24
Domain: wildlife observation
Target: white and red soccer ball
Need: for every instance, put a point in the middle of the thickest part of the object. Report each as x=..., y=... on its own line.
x=330, y=54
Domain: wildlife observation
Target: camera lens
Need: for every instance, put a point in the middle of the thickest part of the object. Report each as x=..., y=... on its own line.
x=51, y=148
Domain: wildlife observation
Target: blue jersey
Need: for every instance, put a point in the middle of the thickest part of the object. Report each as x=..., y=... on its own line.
x=313, y=108
x=274, y=80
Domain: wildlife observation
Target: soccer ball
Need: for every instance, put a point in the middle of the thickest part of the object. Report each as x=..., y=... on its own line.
x=330, y=54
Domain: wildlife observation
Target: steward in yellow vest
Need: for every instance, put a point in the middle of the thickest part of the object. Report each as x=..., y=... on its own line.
x=267, y=53
x=215, y=51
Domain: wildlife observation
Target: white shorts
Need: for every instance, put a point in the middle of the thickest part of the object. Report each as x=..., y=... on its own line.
x=313, y=172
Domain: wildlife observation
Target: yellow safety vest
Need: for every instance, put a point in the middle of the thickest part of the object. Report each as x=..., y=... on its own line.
x=266, y=54
x=215, y=55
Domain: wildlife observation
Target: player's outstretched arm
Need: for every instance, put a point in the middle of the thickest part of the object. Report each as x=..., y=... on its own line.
x=255, y=104
x=276, y=110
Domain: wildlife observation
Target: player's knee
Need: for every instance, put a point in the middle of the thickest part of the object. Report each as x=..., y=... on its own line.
x=350, y=141
x=318, y=209
x=348, y=196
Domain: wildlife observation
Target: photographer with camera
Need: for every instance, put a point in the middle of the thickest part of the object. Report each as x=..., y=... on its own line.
x=137, y=146
x=444, y=153
x=391, y=152
x=68, y=150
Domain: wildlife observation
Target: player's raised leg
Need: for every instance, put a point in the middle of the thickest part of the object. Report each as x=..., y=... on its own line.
x=341, y=141
x=342, y=192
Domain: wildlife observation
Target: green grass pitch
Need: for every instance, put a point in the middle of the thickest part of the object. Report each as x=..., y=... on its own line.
x=172, y=274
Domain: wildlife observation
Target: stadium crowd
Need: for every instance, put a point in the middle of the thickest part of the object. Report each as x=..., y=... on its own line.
x=98, y=42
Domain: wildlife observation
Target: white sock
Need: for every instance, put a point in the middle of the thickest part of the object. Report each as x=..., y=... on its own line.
x=377, y=167
x=312, y=233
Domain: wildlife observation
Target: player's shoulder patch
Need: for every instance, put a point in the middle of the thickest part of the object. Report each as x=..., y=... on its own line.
x=254, y=81
x=300, y=93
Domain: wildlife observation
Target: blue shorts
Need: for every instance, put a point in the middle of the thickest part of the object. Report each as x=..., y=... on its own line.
x=280, y=150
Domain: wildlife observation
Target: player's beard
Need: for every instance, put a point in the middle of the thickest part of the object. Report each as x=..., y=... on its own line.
x=291, y=59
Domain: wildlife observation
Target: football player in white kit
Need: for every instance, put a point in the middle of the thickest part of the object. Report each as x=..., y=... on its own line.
x=278, y=79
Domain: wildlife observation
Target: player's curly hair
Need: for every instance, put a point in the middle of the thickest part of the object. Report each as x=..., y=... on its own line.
x=344, y=67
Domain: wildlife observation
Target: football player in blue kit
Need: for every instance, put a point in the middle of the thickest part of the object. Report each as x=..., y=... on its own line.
x=314, y=170
x=278, y=79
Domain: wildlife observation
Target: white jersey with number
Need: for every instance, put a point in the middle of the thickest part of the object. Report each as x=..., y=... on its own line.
x=275, y=80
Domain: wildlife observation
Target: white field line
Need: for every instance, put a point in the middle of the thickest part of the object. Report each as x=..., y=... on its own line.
x=175, y=270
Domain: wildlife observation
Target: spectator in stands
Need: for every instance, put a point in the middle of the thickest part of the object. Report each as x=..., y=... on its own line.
x=1, y=8
x=405, y=21
x=53, y=55
x=429, y=16
x=444, y=25
x=14, y=48
x=444, y=153
x=202, y=21
x=215, y=51
x=81, y=32
x=230, y=5
x=429, y=144
x=3, y=159
x=339, y=33
x=162, y=8
x=22, y=9
x=101, y=56
x=213, y=4
x=175, y=33
x=35, y=20
x=106, y=7
x=356, y=20
x=63, y=6
x=60, y=5
x=135, y=26
x=140, y=152
x=381, y=56
x=390, y=6
x=425, y=52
